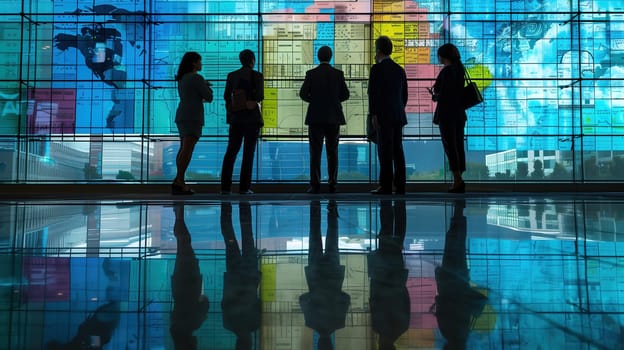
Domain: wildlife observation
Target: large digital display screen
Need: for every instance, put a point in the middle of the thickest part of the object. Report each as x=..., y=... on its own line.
x=551, y=71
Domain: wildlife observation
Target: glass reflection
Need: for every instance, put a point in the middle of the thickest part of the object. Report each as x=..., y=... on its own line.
x=458, y=304
x=325, y=305
x=97, y=329
x=389, y=298
x=240, y=305
x=146, y=293
x=190, y=305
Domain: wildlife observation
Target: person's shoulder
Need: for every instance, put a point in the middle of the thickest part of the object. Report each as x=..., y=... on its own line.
x=233, y=74
x=236, y=71
x=315, y=69
x=334, y=69
x=394, y=63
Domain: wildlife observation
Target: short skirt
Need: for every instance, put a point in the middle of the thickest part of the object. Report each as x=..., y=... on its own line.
x=189, y=129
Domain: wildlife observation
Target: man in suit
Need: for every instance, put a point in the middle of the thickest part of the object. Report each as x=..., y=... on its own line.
x=325, y=305
x=244, y=124
x=324, y=88
x=389, y=299
x=387, y=98
x=241, y=306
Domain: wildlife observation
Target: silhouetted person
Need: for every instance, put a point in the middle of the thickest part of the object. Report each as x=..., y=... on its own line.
x=244, y=124
x=194, y=91
x=324, y=88
x=325, y=305
x=387, y=98
x=389, y=299
x=449, y=113
x=190, y=306
x=457, y=304
x=240, y=304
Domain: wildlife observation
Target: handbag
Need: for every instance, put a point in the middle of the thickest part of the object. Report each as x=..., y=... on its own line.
x=471, y=94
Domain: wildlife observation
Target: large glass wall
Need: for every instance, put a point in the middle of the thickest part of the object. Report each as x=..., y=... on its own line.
x=87, y=90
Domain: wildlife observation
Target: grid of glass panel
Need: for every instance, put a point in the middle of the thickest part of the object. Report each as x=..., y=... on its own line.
x=87, y=90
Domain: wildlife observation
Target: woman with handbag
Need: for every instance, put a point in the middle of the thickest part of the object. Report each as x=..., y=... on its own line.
x=194, y=91
x=244, y=89
x=449, y=114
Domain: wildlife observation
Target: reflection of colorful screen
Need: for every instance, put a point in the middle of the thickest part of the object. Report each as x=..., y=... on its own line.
x=48, y=279
x=547, y=75
x=51, y=111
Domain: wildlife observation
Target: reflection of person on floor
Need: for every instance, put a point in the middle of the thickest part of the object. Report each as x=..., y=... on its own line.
x=97, y=330
x=190, y=306
x=457, y=304
x=241, y=303
x=389, y=299
x=325, y=306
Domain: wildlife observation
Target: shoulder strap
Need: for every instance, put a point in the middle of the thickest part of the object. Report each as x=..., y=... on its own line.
x=467, y=76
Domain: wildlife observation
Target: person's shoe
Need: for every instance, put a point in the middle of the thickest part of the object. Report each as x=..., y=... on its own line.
x=224, y=192
x=177, y=189
x=458, y=189
x=313, y=190
x=246, y=192
x=400, y=192
x=332, y=189
x=380, y=190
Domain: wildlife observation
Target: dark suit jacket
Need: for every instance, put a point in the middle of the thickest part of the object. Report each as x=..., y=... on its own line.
x=387, y=93
x=447, y=91
x=324, y=88
x=253, y=83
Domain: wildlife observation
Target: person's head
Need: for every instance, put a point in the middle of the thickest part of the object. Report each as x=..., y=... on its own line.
x=324, y=54
x=383, y=47
x=247, y=58
x=191, y=62
x=448, y=54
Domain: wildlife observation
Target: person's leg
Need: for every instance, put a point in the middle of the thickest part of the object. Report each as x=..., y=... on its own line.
x=249, y=149
x=183, y=158
x=461, y=150
x=460, y=155
x=235, y=139
x=386, y=220
x=248, y=246
x=232, y=252
x=332, y=137
x=384, y=152
x=400, y=220
x=315, y=140
x=315, y=242
x=454, y=257
x=449, y=141
x=331, y=239
x=399, y=160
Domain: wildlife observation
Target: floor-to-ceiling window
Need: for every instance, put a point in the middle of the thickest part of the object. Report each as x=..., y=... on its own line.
x=87, y=90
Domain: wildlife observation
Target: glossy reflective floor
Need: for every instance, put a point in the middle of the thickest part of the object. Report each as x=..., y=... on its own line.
x=348, y=272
